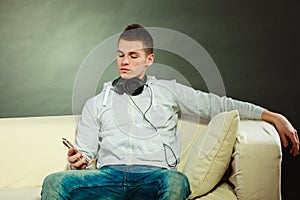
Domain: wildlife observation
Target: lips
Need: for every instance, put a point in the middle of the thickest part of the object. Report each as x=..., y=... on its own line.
x=124, y=70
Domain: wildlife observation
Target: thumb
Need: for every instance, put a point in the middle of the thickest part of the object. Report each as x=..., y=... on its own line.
x=91, y=161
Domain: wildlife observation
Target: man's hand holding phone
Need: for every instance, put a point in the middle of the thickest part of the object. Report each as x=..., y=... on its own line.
x=76, y=159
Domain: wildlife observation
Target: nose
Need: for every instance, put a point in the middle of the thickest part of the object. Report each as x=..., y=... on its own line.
x=125, y=60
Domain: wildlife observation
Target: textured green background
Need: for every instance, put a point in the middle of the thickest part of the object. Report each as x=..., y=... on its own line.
x=255, y=45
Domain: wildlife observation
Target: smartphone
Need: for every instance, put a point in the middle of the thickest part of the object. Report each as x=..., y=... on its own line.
x=68, y=144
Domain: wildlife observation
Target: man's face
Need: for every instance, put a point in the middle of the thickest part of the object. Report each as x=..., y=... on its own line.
x=132, y=59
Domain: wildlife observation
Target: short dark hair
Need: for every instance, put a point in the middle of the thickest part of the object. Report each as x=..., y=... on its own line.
x=137, y=32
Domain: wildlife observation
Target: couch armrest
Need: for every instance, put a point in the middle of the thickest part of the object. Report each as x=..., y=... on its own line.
x=256, y=164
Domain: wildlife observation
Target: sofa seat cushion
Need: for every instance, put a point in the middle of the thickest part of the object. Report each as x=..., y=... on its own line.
x=221, y=192
x=24, y=193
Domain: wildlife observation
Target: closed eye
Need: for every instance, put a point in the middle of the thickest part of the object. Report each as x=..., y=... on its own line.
x=120, y=53
x=133, y=55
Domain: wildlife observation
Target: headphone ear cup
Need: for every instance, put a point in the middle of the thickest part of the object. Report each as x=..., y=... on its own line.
x=133, y=86
x=119, y=85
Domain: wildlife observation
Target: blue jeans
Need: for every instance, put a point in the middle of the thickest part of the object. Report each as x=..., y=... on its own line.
x=127, y=182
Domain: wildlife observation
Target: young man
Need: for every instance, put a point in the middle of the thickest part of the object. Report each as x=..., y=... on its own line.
x=131, y=129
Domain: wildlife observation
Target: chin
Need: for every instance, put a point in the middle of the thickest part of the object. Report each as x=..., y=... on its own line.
x=126, y=76
x=129, y=76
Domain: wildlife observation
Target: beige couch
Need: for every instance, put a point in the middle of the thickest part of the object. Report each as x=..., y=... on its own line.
x=31, y=149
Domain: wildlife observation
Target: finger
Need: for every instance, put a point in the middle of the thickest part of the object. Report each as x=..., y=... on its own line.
x=297, y=137
x=293, y=136
x=83, y=166
x=284, y=140
x=80, y=164
x=296, y=147
x=91, y=161
x=72, y=151
x=294, y=150
x=84, y=163
x=76, y=157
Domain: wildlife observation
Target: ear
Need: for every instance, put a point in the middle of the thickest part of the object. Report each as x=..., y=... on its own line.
x=150, y=59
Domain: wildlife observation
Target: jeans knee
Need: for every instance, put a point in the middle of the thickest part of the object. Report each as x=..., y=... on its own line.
x=52, y=180
x=174, y=185
x=52, y=186
x=177, y=181
x=177, y=178
x=49, y=180
x=53, y=183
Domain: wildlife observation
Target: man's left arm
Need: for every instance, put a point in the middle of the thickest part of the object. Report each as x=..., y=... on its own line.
x=208, y=105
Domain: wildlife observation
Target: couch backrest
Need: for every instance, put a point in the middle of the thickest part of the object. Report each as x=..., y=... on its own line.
x=32, y=147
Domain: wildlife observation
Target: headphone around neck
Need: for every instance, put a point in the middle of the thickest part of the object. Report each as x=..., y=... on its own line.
x=133, y=86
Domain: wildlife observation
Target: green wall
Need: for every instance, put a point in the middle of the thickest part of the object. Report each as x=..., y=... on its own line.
x=43, y=43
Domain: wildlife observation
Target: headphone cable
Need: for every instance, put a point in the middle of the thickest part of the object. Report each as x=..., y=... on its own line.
x=144, y=113
x=165, y=146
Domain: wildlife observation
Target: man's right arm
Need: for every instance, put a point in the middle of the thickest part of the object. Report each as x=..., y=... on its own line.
x=87, y=137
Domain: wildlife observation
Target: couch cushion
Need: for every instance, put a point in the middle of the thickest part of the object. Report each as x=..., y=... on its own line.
x=222, y=192
x=210, y=153
x=32, y=193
